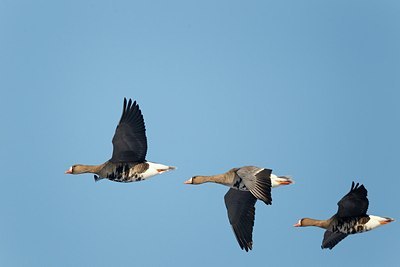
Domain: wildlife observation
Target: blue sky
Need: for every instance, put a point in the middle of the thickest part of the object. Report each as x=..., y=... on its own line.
x=307, y=88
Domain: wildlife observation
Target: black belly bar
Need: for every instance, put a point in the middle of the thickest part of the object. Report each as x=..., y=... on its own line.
x=121, y=174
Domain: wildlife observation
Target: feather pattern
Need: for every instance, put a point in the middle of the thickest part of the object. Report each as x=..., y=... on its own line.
x=355, y=203
x=257, y=181
x=240, y=206
x=351, y=218
x=129, y=141
x=331, y=239
x=128, y=162
x=247, y=184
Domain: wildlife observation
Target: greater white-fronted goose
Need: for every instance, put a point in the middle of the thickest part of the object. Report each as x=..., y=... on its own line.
x=247, y=184
x=128, y=162
x=351, y=218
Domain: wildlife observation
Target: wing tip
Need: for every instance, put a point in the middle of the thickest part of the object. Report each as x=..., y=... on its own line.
x=130, y=111
x=358, y=187
x=248, y=246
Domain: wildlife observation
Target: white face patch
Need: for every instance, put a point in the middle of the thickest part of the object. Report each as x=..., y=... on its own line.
x=69, y=171
x=190, y=181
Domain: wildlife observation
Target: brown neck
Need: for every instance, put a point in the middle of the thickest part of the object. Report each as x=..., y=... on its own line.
x=79, y=168
x=313, y=222
x=219, y=178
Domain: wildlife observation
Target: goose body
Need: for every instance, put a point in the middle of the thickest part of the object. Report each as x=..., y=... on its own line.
x=239, y=181
x=359, y=225
x=128, y=163
x=247, y=184
x=351, y=218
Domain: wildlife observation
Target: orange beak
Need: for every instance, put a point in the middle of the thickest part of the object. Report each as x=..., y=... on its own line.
x=69, y=171
x=188, y=181
x=285, y=182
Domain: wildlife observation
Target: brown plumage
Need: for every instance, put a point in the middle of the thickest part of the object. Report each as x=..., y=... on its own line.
x=351, y=218
x=247, y=184
x=128, y=162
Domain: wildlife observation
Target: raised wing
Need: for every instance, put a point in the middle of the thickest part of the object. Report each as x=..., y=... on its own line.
x=241, y=214
x=355, y=203
x=331, y=239
x=258, y=182
x=129, y=141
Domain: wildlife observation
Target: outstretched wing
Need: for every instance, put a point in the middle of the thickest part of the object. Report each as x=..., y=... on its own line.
x=355, y=203
x=258, y=182
x=129, y=141
x=241, y=214
x=331, y=239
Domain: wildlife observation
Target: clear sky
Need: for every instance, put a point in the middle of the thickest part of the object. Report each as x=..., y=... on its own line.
x=309, y=89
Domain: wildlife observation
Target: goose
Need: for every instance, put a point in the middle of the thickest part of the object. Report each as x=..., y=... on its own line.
x=247, y=184
x=128, y=162
x=351, y=218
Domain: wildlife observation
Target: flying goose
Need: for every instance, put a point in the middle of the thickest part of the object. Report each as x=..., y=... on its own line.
x=351, y=218
x=247, y=184
x=128, y=162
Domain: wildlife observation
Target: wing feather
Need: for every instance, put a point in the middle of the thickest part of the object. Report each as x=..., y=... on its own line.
x=355, y=203
x=331, y=239
x=258, y=182
x=241, y=213
x=129, y=141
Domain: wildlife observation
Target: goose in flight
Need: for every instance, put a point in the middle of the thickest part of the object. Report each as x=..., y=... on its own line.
x=128, y=162
x=351, y=218
x=247, y=184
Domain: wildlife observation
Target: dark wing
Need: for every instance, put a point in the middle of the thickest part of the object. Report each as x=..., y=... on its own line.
x=355, y=203
x=129, y=141
x=258, y=182
x=241, y=214
x=332, y=238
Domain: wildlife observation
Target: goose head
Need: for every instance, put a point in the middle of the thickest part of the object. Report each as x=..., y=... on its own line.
x=313, y=222
x=195, y=180
x=70, y=170
x=80, y=168
x=190, y=181
x=299, y=223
